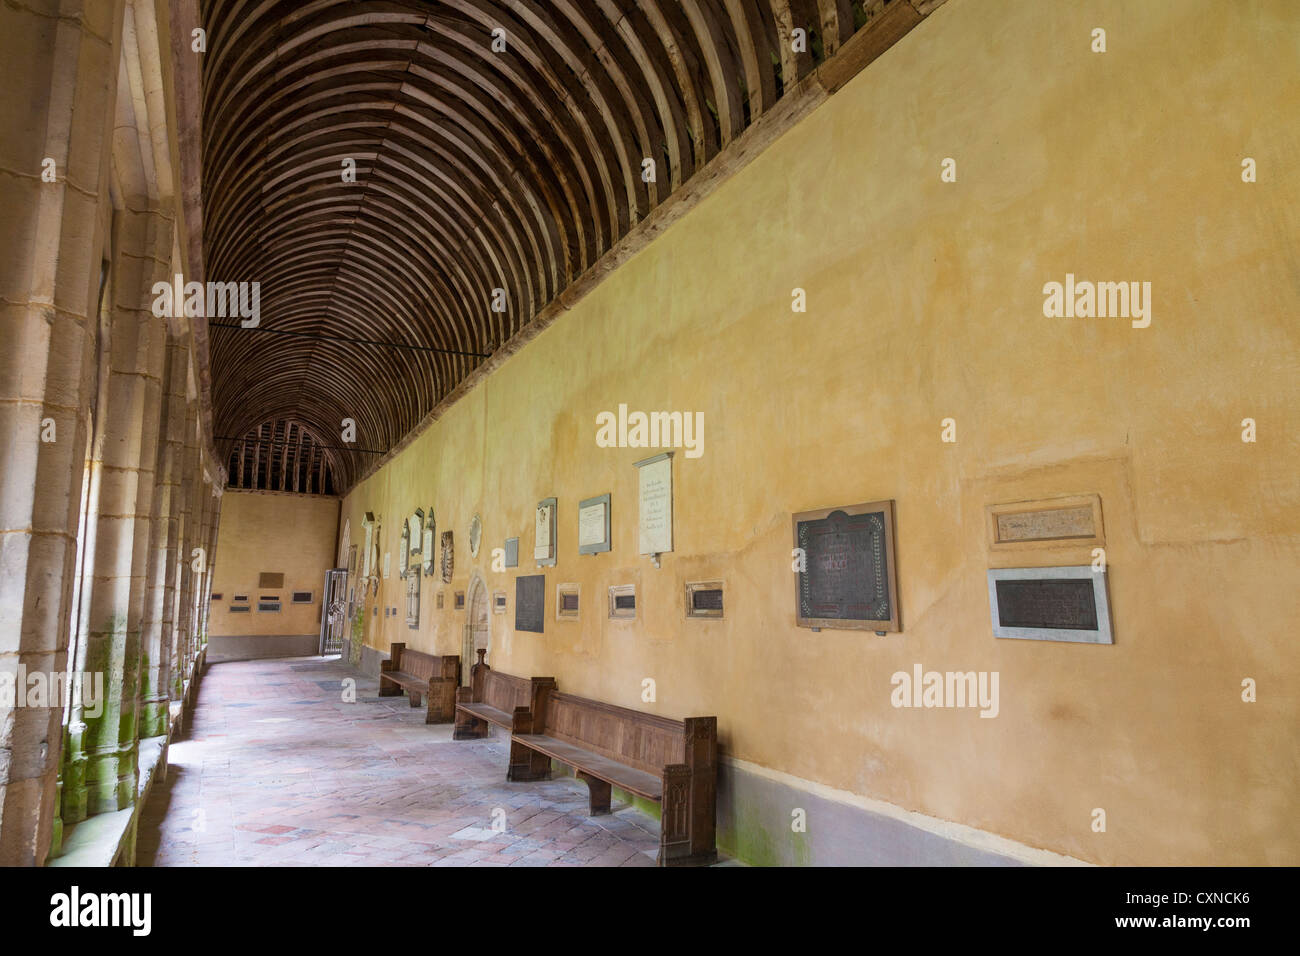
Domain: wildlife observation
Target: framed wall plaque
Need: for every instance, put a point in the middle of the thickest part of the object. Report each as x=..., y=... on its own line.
x=426, y=547
x=848, y=578
x=704, y=599
x=593, y=525
x=655, y=504
x=530, y=603
x=498, y=602
x=1050, y=604
x=1072, y=521
x=404, y=552
x=622, y=602
x=413, y=597
x=512, y=552
x=567, y=597
x=544, y=533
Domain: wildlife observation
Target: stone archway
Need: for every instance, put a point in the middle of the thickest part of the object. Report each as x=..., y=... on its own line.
x=478, y=628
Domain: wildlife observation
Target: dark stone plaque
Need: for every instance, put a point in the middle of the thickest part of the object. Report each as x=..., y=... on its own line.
x=1064, y=603
x=530, y=602
x=710, y=600
x=847, y=578
x=1067, y=603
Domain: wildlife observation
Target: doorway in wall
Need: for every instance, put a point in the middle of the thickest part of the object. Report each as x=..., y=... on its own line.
x=478, y=632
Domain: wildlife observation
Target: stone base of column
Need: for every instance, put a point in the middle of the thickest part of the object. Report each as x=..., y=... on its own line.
x=155, y=714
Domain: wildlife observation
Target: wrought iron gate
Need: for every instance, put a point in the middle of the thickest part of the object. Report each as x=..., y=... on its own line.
x=334, y=616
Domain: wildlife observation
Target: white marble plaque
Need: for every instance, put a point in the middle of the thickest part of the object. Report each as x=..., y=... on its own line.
x=544, y=531
x=655, y=487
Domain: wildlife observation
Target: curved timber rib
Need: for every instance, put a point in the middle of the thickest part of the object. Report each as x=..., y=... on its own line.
x=409, y=194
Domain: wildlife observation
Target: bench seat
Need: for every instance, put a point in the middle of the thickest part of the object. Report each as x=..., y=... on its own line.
x=489, y=713
x=408, y=680
x=588, y=761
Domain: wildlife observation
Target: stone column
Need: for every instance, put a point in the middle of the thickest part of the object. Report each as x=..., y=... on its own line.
x=187, y=542
x=64, y=52
x=160, y=630
x=106, y=732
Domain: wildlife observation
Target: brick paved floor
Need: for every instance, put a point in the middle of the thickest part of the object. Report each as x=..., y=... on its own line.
x=276, y=769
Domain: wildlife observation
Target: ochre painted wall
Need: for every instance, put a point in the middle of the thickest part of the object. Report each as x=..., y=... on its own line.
x=925, y=302
x=277, y=532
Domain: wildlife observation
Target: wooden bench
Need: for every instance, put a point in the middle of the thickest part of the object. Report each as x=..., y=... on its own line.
x=491, y=698
x=673, y=762
x=422, y=675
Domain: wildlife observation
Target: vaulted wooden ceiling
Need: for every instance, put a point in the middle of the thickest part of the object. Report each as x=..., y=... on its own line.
x=475, y=170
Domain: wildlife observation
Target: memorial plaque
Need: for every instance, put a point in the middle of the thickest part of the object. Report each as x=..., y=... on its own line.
x=413, y=598
x=655, y=504
x=530, y=603
x=512, y=552
x=593, y=525
x=704, y=599
x=622, y=601
x=566, y=602
x=544, y=533
x=427, y=542
x=1050, y=604
x=847, y=577
x=1050, y=523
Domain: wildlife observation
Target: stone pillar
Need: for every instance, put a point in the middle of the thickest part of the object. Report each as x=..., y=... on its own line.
x=64, y=52
x=160, y=630
x=103, y=737
x=187, y=542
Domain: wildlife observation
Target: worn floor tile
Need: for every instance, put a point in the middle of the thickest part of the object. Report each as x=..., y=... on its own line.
x=276, y=769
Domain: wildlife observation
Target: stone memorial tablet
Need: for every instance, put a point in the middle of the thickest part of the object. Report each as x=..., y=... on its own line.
x=655, y=504
x=1073, y=521
x=1050, y=604
x=530, y=603
x=512, y=552
x=593, y=525
x=845, y=571
x=426, y=547
x=544, y=533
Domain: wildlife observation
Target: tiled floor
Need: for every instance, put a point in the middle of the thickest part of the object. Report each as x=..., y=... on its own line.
x=277, y=769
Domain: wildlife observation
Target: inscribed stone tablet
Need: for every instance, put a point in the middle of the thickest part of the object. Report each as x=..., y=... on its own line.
x=530, y=603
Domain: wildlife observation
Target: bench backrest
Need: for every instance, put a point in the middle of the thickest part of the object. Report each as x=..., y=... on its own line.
x=505, y=691
x=422, y=665
x=645, y=741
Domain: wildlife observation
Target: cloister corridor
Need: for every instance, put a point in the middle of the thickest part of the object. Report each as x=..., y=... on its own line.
x=278, y=770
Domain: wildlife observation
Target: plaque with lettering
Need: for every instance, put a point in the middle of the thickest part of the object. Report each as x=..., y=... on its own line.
x=593, y=525
x=1069, y=522
x=530, y=603
x=844, y=562
x=544, y=533
x=655, y=504
x=1050, y=604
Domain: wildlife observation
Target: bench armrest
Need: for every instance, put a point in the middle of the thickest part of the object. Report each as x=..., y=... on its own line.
x=522, y=721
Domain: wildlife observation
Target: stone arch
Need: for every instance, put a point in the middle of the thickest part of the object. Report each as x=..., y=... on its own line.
x=478, y=625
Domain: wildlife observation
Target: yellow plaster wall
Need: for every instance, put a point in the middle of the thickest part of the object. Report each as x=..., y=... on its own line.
x=276, y=532
x=925, y=302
